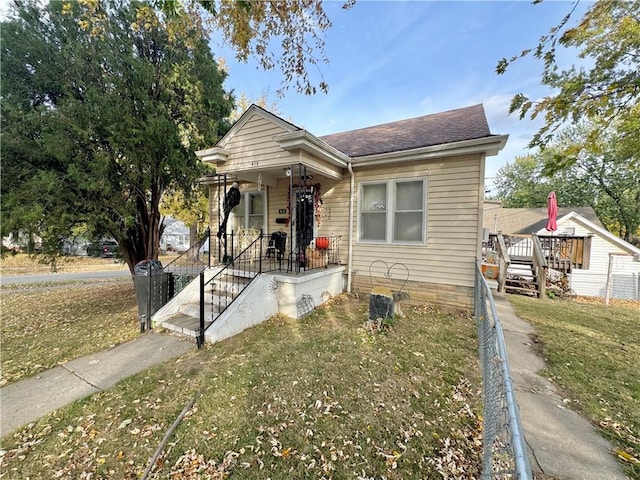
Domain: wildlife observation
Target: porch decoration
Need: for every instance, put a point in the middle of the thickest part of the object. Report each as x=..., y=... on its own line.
x=231, y=200
x=317, y=204
x=322, y=243
x=305, y=305
x=382, y=301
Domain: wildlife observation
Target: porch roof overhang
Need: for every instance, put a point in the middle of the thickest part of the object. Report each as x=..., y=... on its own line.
x=488, y=145
x=213, y=155
x=305, y=141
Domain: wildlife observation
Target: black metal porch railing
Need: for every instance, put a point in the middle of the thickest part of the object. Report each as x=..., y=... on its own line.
x=227, y=284
x=278, y=255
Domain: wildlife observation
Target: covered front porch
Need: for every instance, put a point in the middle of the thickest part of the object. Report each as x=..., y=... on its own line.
x=288, y=207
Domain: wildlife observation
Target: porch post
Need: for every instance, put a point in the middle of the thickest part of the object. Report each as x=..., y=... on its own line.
x=291, y=219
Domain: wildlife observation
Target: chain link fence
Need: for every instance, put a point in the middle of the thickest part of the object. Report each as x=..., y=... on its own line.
x=504, y=451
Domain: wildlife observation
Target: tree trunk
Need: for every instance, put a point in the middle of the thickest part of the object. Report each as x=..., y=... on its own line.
x=142, y=240
x=193, y=238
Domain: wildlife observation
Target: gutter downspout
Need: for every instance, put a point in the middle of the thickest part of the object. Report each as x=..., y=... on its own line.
x=350, y=261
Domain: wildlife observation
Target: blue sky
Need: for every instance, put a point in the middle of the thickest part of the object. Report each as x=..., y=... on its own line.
x=392, y=60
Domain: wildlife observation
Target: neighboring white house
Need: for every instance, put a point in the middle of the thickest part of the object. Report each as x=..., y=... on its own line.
x=175, y=236
x=607, y=250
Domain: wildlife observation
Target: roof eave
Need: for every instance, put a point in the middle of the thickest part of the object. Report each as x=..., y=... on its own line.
x=213, y=155
x=305, y=141
x=488, y=145
x=623, y=244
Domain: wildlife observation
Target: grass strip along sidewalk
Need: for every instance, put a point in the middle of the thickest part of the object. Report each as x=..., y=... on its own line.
x=592, y=352
x=320, y=397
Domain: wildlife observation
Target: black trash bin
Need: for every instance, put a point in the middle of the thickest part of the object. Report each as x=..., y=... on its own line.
x=154, y=288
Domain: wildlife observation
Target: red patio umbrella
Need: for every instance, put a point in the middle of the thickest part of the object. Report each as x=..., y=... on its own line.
x=552, y=211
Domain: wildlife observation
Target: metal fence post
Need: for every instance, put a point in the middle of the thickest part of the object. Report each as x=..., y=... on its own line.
x=149, y=293
x=200, y=338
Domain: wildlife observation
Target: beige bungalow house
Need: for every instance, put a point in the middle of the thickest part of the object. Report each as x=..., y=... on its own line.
x=401, y=203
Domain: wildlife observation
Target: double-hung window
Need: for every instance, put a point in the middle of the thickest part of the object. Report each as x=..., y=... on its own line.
x=393, y=211
x=249, y=214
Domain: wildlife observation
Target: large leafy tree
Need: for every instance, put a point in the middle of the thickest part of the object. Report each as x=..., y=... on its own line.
x=100, y=119
x=607, y=181
x=604, y=89
x=284, y=35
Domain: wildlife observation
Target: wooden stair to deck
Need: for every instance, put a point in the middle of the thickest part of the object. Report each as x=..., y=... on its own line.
x=521, y=278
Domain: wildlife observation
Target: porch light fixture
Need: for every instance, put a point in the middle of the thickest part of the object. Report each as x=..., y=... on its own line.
x=287, y=172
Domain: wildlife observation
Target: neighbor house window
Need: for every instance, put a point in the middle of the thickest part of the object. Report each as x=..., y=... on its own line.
x=393, y=211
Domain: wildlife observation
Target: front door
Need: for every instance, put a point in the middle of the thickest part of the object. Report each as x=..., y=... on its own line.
x=304, y=219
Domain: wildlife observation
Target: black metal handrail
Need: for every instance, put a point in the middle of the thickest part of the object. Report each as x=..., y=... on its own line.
x=265, y=253
x=188, y=265
x=242, y=270
x=318, y=252
x=279, y=255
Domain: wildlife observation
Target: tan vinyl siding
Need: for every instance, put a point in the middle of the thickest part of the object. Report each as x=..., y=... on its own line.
x=441, y=270
x=335, y=210
x=255, y=148
x=278, y=199
x=448, y=257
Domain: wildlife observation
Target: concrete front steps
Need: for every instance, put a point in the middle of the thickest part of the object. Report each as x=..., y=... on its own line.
x=293, y=295
x=218, y=295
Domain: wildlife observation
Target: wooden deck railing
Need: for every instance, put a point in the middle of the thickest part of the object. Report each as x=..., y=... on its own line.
x=539, y=265
x=565, y=253
x=561, y=252
x=504, y=260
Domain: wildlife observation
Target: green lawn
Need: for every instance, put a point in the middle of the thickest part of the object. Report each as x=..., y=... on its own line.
x=592, y=353
x=319, y=397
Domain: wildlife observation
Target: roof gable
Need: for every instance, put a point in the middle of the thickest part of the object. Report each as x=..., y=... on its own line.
x=604, y=233
x=458, y=125
x=173, y=226
x=249, y=113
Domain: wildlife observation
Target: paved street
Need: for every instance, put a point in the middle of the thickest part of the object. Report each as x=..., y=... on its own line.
x=63, y=277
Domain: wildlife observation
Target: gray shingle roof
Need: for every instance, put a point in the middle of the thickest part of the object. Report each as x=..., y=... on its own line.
x=466, y=123
x=527, y=220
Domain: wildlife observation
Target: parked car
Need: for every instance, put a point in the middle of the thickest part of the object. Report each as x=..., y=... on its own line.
x=103, y=248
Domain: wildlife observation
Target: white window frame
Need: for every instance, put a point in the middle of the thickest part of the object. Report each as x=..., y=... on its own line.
x=391, y=186
x=246, y=215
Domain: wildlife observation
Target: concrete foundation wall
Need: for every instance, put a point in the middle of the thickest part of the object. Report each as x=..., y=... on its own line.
x=420, y=293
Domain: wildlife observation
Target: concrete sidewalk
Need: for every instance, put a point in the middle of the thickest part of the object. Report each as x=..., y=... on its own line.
x=28, y=400
x=561, y=443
